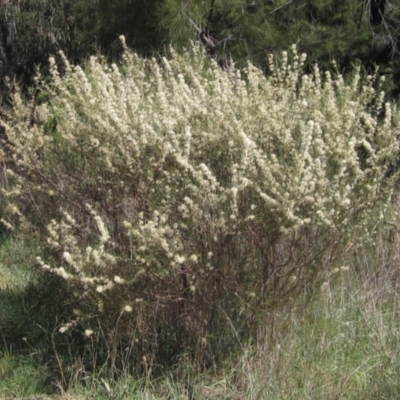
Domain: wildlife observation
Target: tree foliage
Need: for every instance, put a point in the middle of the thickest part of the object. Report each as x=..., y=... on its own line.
x=354, y=31
x=32, y=31
x=348, y=31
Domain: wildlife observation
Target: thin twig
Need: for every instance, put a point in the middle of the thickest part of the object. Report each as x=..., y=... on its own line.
x=283, y=5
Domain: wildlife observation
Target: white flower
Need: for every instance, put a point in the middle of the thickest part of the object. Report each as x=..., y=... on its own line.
x=95, y=142
x=64, y=328
x=179, y=259
x=88, y=332
x=67, y=257
x=61, y=272
x=193, y=258
x=188, y=200
x=118, y=280
x=104, y=235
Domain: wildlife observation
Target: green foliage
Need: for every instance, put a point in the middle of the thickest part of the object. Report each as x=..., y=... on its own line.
x=99, y=23
x=177, y=203
x=25, y=311
x=243, y=30
x=32, y=31
x=325, y=30
x=21, y=376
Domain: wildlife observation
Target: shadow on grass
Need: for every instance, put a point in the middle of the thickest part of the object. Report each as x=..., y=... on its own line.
x=31, y=309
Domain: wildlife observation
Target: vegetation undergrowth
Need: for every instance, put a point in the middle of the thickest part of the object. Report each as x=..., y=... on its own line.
x=176, y=208
x=342, y=344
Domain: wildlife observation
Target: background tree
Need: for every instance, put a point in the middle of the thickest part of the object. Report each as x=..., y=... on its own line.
x=31, y=31
x=355, y=31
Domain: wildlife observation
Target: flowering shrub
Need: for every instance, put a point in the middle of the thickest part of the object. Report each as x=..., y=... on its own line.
x=177, y=200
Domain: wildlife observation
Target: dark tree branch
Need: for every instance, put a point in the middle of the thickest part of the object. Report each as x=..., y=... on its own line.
x=210, y=14
x=376, y=11
x=204, y=36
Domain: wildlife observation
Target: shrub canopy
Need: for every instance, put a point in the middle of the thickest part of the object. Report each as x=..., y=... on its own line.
x=179, y=201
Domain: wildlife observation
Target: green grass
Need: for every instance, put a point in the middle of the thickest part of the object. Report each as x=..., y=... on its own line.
x=15, y=258
x=20, y=376
x=341, y=345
